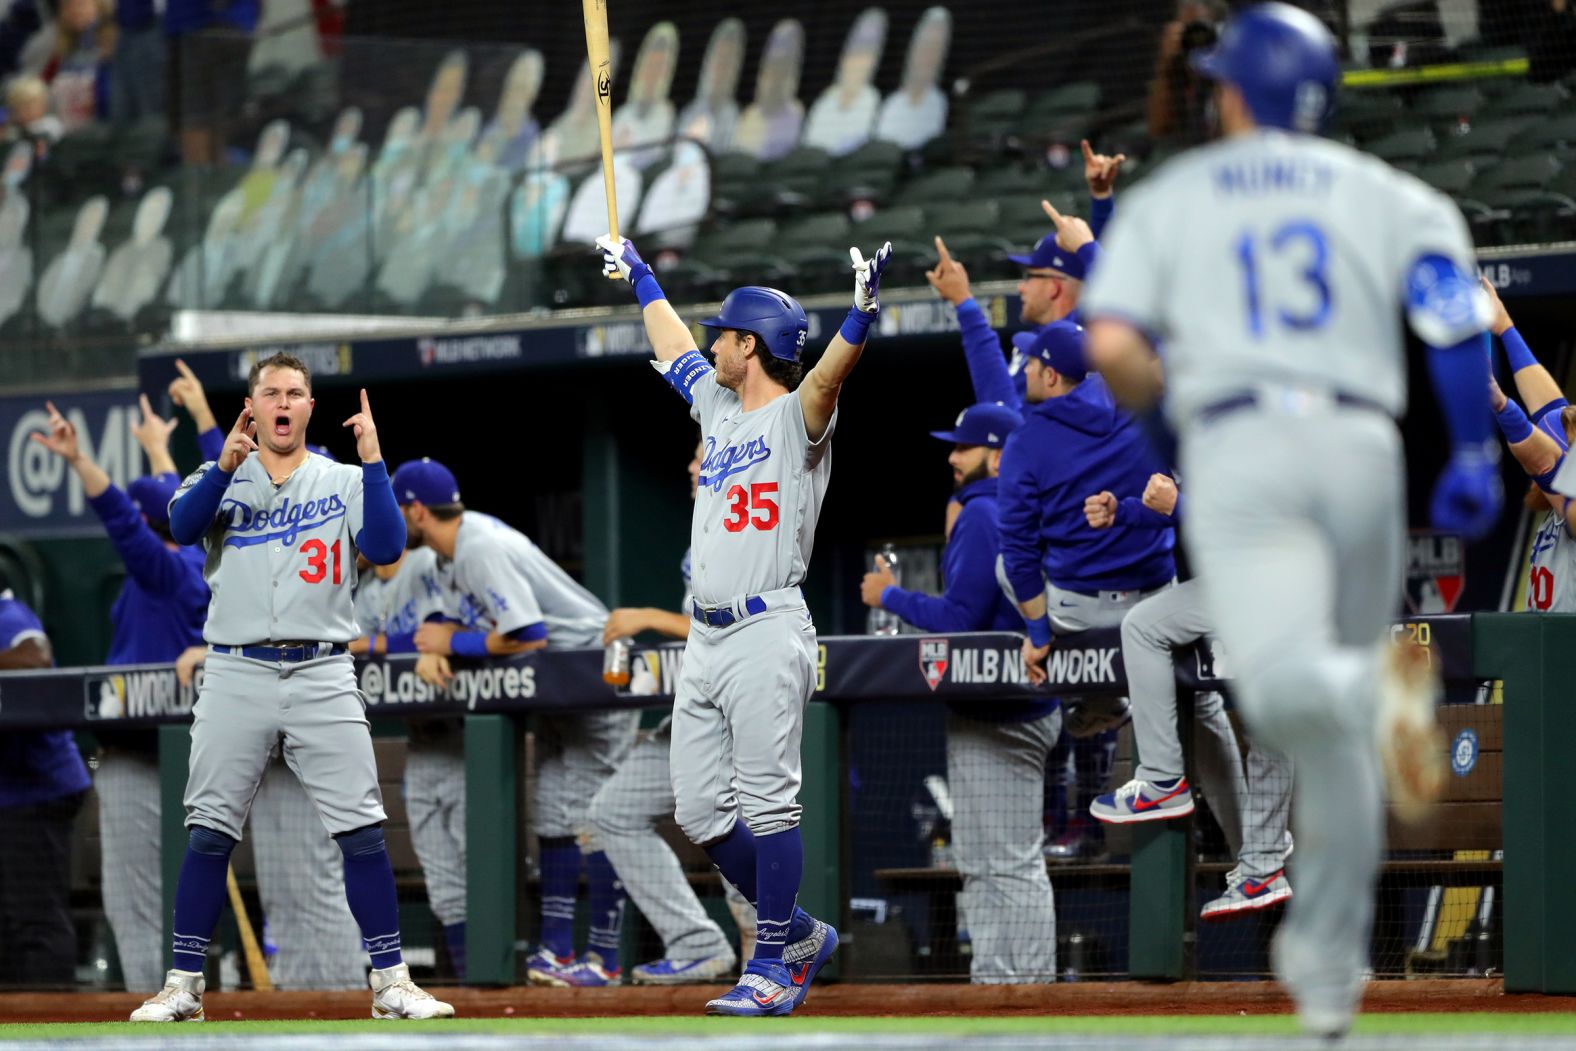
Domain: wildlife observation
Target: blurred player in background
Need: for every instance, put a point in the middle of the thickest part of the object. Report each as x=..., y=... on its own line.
x=1284, y=384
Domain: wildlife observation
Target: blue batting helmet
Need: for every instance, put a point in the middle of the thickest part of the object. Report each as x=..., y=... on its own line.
x=775, y=316
x=1283, y=61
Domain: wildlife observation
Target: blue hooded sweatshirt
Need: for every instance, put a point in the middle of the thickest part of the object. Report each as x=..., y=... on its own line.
x=1068, y=449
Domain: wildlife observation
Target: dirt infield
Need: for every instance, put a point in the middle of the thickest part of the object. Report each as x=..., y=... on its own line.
x=1085, y=998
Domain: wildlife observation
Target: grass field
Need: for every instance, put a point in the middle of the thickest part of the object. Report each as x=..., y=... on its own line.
x=1430, y=1032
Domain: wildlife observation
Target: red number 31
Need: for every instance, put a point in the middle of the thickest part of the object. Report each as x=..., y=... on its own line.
x=744, y=507
x=317, y=554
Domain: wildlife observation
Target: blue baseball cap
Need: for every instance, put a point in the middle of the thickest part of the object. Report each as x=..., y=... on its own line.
x=1048, y=255
x=321, y=450
x=1059, y=345
x=987, y=423
x=152, y=495
x=425, y=481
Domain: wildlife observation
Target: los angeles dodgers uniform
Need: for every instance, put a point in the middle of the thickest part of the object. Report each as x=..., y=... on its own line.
x=435, y=757
x=1272, y=268
x=1551, y=578
x=738, y=715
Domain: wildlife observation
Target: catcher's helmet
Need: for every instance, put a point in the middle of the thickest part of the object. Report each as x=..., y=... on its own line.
x=1283, y=61
x=774, y=316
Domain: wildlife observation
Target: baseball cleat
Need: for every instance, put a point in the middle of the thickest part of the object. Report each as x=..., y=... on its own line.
x=807, y=956
x=543, y=968
x=1143, y=801
x=1245, y=895
x=394, y=995
x=590, y=973
x=765, y=988
x=1411, y=744
x=683, y=972
x=179, y=1001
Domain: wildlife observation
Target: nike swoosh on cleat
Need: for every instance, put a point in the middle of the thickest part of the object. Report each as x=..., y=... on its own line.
x=1250, y=888
x=768, y=1002
x=1150, y=804
x=800, y=972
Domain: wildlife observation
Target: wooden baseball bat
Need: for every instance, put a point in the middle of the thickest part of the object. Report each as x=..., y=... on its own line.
x=600, y=60
x=255, y=965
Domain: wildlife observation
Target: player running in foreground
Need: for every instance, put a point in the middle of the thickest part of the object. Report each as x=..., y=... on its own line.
x=282, y=529
x=749, y=662
x=1273, y=266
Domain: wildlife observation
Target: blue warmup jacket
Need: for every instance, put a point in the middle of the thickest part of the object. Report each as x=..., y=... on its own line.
x=36, y=766
x=972, y=600
x=1070, y=448
x=162, y=606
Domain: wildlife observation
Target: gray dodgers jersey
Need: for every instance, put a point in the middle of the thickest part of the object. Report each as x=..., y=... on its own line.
x=501, y=581
x=1551, y=577
x=401, y=603
x=282, y=560
x=759, y=494
x=1275, y=258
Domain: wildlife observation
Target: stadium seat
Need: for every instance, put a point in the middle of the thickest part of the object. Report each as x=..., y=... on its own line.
x=1007, y=181
x=1401, y=147
x=989, y=118
x=1526, y=99
x=1449, y=103
x=1553, y=133
x=964, y=217
x=1516, y=173
x=716, y=246
x=1452, y=177
x=948, y=184
x=1483, y=139
x=827, y=228
x=1369, y=113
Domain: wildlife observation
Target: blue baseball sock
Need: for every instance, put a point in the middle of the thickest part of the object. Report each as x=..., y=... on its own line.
x=369, y=888
x=607, y=909
x=199, y=896
x=454, y=938
x=735, y=857
x=560, y=879
x=779, y=868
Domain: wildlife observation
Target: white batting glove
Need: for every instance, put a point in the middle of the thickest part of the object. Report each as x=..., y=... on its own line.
x=619, y=257
x=867, y=277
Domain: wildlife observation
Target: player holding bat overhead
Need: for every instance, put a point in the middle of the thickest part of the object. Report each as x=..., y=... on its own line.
x=282, y=529
x=1284, y=383
x=750, y=660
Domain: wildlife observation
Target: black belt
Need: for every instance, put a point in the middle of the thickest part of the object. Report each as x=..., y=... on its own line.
x=722, y=616
x=293, y=653
x=1250, y=399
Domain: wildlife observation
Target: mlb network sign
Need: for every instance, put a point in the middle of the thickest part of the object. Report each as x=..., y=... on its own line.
x=41, y=495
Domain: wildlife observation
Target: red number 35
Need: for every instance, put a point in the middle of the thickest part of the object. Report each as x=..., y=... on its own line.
x=745, y=507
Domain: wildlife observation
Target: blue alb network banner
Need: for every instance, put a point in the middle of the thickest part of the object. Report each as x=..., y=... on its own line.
x=41, y=494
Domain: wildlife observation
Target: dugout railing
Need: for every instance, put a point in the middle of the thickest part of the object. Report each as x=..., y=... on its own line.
x=1530, y=655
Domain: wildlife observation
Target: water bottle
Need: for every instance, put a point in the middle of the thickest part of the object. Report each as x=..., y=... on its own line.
x=615, y=663
x=880, y=621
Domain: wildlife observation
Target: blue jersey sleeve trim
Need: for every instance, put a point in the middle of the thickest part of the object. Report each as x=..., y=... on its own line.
x=529, y=633
x=468, y=644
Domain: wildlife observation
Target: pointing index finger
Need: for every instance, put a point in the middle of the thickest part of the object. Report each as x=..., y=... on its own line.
x=184, y=369
x=366, y=407
x=941, y=250
x=147, y=409
x=1050, y=210
x=1088, y=153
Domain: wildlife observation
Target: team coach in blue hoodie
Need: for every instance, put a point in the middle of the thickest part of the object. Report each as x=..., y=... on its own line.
x=1064, y=575
x=996, y=751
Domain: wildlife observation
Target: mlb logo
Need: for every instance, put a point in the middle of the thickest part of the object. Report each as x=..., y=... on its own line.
x=106, y=697
x=933, y=657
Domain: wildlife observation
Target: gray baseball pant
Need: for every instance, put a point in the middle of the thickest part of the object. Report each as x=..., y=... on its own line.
x=127, y=785
x=435, y=808
x=576, y=754
x=1300, y=556
x=1252, y=811
x=996, y=772
x=624, y=813
x=301, y=884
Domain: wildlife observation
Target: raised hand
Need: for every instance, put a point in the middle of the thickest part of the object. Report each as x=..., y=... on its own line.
x=366, y=432
x=1501, y=320
x=875, y=582
x=1160, y=494
x=240, y=443
x=1468, y=496
x=1100, y=510
x=949, y=278
x=620, y=259
x=867, y=277
x=62, y=437
x=186, y=391
x=1100, y=171
x=151, y=432
x=1072, y=233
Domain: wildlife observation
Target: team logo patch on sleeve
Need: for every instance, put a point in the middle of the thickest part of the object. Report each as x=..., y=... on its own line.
x=934, y=655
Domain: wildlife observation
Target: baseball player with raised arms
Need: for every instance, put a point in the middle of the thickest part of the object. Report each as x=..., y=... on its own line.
x=282, y=529
x=392, y=601
x=1272, y=267
x=750, y=660
x=506, y=597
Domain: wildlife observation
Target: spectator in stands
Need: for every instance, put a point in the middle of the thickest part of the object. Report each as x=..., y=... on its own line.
x=844, y=117
x=996, y=751
x=159, y=613
x=1179, y=101
x=714, y=99
x=78, y=72
x=644, y=123
x=769, y=127
x=42, y=784
x=443, y=99
x=917, y=112
x=28, y=118
x=204, y=85
x=513, y=129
